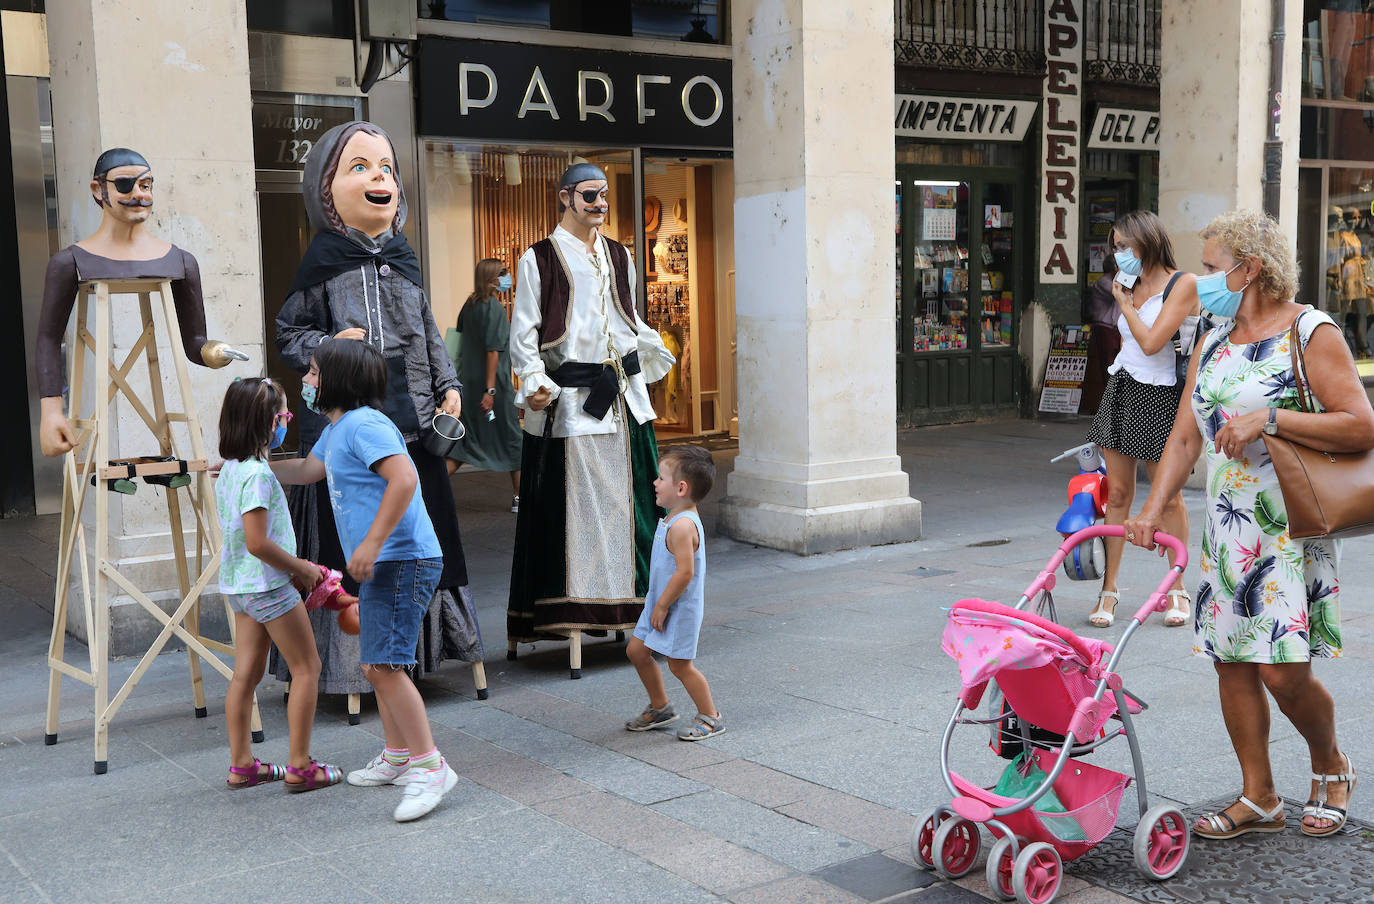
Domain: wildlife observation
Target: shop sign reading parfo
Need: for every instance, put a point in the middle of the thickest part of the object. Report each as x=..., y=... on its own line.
x=1063, y=99
x=481, y=89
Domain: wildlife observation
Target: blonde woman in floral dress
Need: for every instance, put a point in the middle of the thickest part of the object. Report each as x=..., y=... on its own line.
x=1267, y=604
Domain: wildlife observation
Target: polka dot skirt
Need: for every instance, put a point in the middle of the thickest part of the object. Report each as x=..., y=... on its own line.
x=1135, y=418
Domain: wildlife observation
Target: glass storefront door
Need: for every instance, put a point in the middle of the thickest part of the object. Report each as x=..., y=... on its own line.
x=1336, y=247
x=675, y=216
x=958, y=274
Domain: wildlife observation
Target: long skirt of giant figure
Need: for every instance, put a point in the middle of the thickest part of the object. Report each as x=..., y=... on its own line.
x=449, y=630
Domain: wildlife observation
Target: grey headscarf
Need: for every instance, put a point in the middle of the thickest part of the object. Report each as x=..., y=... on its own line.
x=320, y=168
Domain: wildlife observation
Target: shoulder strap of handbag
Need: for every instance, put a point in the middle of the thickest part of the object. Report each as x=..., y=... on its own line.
x=1295, y=350
x=1178, y=334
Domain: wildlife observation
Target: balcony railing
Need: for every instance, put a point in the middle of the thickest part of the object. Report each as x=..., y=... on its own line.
x=1120, y=37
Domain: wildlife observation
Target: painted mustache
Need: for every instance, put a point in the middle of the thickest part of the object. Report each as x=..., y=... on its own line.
x=136, y=202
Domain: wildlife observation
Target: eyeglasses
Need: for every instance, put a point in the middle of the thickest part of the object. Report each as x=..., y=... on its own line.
x=285, y=416
x=125, y=184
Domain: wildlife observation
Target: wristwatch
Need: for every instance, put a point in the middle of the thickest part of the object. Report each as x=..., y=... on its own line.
x=1271, y=426
x=491, y=390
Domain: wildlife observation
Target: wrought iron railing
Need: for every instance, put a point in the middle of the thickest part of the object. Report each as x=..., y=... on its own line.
x=1120, y=37
x=1003, y=35
x=1121, y=40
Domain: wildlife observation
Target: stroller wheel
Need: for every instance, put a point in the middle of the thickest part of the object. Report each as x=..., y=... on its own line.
x=956, y=847
x=923, y=838
x=1036, y=875
x=999, y=868
x=1161, y=842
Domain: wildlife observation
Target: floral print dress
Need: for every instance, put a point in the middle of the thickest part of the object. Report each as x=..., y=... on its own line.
x=1264, y=597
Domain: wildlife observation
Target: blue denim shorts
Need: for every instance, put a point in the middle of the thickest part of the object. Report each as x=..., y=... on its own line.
x=265, y=605
x=391, y=607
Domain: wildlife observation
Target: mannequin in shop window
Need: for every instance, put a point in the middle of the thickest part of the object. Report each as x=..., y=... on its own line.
x=122, y=248
x=584, y=359
x=1346, y=277
x=360, y=280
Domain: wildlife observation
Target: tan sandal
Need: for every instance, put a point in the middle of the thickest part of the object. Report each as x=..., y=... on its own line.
x=1220, y=826
x=1180, y=609
x=1101, y=616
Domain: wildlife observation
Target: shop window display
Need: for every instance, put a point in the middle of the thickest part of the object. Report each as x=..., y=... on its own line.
x=495, y=201
x=941, y=264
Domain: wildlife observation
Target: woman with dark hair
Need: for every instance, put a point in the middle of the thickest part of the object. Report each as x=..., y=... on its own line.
x=360, y=280
x=1141, y=398
x=493, y=438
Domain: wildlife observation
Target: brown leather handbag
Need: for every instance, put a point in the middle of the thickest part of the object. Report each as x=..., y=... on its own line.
x=1327, y=494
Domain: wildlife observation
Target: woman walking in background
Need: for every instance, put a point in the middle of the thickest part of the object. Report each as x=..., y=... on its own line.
x=1141, y=398
x=493, y=435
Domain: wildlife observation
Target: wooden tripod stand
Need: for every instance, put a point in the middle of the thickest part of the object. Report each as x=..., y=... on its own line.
x=89, y=463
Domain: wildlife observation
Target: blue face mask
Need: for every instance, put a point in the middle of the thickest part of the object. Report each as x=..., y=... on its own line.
x=309, y=394
x=503, y=283
x=1216, y=296
x=1128, y=262
x=278, y=436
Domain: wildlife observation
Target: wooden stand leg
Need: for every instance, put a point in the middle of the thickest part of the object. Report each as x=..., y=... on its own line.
x=255, y=723
x=479, y=679
x=286, y=693
x=620, y=637
x=510, y=651
x=100, y=638
x=355, y=708
x=575, y=655
x=58, y=641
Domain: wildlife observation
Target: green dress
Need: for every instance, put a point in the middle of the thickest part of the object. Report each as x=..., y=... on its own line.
x=491, y=444
x=1264, y=597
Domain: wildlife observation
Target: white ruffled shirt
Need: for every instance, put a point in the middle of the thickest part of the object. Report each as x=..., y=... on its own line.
x=593, y=324
x=1157, y=369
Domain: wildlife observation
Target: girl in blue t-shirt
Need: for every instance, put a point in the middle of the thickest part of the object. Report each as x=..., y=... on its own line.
x=392, y=551
x=259, y=575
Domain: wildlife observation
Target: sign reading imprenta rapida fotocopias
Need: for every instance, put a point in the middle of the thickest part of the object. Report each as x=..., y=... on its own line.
x=1063, y=99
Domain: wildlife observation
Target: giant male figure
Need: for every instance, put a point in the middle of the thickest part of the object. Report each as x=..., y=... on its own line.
x=122, y=248
x=583, y=356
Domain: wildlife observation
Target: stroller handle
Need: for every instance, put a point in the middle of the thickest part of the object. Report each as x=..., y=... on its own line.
x=1116, y=530
x=1155, y=603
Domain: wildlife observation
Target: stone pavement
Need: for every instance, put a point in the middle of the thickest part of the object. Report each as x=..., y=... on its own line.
x=829, y=673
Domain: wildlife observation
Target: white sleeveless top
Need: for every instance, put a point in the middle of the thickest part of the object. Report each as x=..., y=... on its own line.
x=1156, y=369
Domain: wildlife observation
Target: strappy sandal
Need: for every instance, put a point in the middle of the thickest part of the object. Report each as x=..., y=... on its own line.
x=1220, y=826
x=1180, y=609
x=652, y=718
x=253, y=775
x=702, y=727
x=1102, y=617
x=1320, y=809
x=309, y=777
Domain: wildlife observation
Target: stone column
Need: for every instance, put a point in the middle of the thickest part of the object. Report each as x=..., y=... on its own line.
x=1215, y=115
x=171, y=83
x=814, y=162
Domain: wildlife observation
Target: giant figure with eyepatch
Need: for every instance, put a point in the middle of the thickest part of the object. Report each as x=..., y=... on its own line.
x=122, y=248
x=360, y=280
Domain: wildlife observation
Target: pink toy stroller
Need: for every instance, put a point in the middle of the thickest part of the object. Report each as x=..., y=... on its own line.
x=1054, y=680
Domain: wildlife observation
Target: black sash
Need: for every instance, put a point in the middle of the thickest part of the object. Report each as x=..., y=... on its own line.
x=601, y=378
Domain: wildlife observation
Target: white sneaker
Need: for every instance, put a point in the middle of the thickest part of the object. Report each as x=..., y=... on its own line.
x=424, y=792
x=380, y=772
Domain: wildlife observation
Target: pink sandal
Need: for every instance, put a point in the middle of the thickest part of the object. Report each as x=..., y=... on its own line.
x=252, y=775
x=308, y=781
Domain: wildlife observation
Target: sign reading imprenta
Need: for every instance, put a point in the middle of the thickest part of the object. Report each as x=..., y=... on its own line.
x=1059, y=158
x=969, y=118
